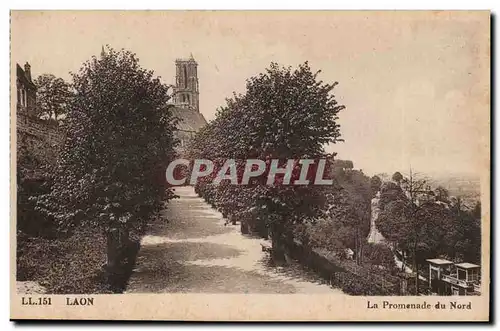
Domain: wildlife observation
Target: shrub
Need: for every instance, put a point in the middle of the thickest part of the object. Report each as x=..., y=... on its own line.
x=380, y=255
x=71, y=265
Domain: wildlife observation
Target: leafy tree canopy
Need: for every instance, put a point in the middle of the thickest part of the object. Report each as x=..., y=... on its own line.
x=285, y=113
x=119, y=141
x=52, y=96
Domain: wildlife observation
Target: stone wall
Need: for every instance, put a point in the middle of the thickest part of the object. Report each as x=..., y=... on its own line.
x=39, y=129
x=39, y=141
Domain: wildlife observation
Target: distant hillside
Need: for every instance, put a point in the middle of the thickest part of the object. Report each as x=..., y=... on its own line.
x=465, y=186
x=459, y=185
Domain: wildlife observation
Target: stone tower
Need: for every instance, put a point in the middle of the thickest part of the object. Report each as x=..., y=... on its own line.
x=186, y=92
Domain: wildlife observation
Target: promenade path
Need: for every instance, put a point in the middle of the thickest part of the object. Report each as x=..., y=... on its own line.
x=191, y=250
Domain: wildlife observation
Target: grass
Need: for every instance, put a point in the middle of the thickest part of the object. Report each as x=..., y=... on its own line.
x=71, y=265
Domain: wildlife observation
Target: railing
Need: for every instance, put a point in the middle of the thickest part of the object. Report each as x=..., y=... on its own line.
x=456, y=281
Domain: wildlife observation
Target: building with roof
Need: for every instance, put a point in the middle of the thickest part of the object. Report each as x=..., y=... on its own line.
x=186, y=100
x=36, y=138
x=26, y=90
x=448, y=278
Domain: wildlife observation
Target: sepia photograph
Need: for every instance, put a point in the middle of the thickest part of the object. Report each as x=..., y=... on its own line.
x=186, y=162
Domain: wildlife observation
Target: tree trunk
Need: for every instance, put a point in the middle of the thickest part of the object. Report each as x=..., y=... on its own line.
x=278, y=252
x=356, y=247
x=262, y=229
x=112, y=257
x=244, y=227
x=417, y=280
x=112, y=248
x=359, y=250
x=415, y=267
x=125, y=242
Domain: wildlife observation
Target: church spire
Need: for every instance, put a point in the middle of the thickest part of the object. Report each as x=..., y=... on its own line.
x=102, y=51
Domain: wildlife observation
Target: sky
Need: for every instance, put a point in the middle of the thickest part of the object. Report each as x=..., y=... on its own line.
x=415, y=85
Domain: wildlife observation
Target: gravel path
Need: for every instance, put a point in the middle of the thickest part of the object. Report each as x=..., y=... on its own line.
x=193, y=251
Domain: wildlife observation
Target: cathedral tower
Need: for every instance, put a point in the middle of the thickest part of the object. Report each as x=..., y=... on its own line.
x=186, y=92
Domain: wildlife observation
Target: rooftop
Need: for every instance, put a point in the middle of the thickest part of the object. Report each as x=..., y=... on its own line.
x=439, y=261
x=467, y=265
x=190, y=120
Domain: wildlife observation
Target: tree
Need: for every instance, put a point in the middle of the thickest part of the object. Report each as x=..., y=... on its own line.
x=110, y=172
x=397, y=177
x=350, y=210
x=442, y=194
x=379, y=254
x=284, y=114
x=375, y=184
x=52, y=96
x=411, y=220
x=390, y=192
x=463, y=234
